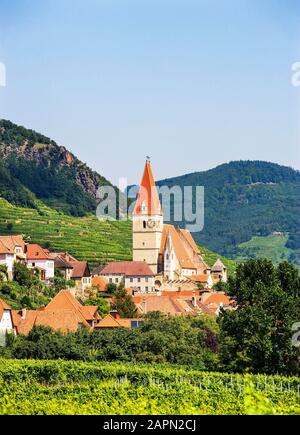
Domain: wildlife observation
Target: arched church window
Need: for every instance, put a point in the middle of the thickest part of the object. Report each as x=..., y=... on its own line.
x=144, y=224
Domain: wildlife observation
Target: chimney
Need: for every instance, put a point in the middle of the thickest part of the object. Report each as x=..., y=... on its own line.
x=23, y=313
x=115, y=314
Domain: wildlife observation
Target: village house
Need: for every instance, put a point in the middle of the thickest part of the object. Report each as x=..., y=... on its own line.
x=73, y=269
x=6, y=321
x=113, y=320
x=40, y=259
x=62, y=264
x=64, y=313
x=81, y=275
x=12, y=249
x=135, y=275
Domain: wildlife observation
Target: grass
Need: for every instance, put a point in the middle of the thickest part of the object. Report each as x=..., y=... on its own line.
x=272, y=247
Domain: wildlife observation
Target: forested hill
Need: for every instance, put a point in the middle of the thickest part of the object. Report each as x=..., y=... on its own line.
x=244, y=199
x=33, y=165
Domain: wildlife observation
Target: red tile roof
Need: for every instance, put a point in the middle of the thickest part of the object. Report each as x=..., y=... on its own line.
x=127, y=268
x=59, y=320
x=63, y=313
x=80, y=269
x=64, y=300
x=9, y=243
x=148, y=194
x=217, y=298
x=36, y=252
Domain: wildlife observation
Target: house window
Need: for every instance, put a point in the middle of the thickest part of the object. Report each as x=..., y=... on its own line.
x=139, y=279
x=144, y=225
x=131, y=279
x=117, y=280
x=167, y=256
x=147, y=279
x=110, y=280
x=146, y=288
x=33, y=264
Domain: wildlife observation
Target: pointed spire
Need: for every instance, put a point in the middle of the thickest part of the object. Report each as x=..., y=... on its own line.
x=148, y=200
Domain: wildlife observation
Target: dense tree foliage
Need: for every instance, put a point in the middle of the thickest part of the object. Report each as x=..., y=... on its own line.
x=26, y=290
x=179, y=340
x=257, y=336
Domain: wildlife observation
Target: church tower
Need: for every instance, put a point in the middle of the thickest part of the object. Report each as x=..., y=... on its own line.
x=147, y=221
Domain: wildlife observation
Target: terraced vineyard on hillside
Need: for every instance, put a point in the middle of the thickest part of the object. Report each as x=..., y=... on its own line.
x=87, y=238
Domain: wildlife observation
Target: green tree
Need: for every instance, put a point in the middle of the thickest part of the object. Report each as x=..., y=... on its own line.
x=22, y=274
x=102, y=304
x=257, y=335
x=124, y=302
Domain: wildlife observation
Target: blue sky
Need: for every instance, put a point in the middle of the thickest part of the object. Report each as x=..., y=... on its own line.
x=191, y=83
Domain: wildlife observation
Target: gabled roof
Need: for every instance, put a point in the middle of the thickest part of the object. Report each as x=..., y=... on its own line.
x=217, y=298
x=218, y=266
x=60, y=262
x=63, y=313
x=65, y=255
x=59, y=320
x=9, y=243
x=147, y=200
x=178, y=246
x=127, y=268
x=80, y=269
x=64, y=300
x=187, y=235
x=3, y=307
x=36, y=252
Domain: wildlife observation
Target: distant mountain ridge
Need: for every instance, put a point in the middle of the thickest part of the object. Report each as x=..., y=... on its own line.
x=244, y=199
x=32, y=163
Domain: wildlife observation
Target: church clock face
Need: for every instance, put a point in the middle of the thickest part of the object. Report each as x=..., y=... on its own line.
x=151, y=223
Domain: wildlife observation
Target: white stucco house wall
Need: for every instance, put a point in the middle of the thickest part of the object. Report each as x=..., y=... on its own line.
x=6, y=321
x=37, y=257
x=12, y=249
